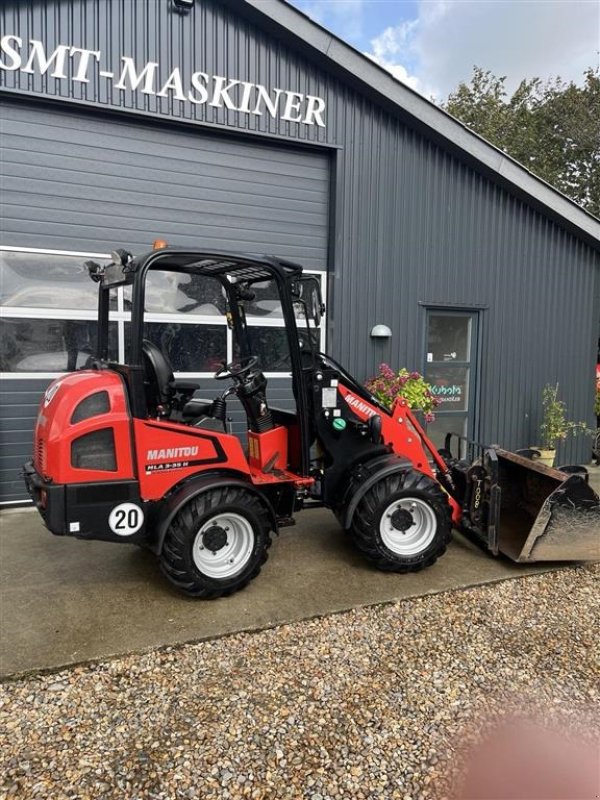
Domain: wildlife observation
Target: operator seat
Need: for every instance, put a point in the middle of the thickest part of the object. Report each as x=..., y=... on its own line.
x=164, y=392
x=159, y=375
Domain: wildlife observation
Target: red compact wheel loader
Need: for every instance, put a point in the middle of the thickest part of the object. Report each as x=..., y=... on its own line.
x=125, y=452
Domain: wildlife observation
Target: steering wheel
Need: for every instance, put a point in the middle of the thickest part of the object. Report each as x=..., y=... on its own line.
x=234, y=370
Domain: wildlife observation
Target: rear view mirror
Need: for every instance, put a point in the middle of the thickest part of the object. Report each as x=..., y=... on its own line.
x=310, y=295
x=95, y=271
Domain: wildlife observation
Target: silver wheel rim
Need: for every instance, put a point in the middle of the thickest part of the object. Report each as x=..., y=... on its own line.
x=417, y=536
x=230, y=558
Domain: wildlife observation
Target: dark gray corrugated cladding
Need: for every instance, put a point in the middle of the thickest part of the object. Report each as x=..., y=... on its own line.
x=414, y=224
x=19, y=399
x=75, y=182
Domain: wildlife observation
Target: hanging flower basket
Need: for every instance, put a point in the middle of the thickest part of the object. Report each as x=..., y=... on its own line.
x=388, y=385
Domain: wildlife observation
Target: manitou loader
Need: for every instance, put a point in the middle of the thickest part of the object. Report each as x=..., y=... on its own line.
x=126, y=452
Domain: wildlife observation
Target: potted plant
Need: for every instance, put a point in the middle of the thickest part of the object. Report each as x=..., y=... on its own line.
x=387, y=385
x=596, y=433
x=555, y=427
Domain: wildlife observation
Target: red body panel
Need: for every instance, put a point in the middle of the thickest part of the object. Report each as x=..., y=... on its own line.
x=165, y=452
x=395, y=429
x=260, y=478
x=402, y=431
x=269, y=449
x=168, y=452
x=55, y=433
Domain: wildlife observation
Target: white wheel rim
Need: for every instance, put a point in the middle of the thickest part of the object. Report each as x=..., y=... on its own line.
x=419, y=529
x=230, y=558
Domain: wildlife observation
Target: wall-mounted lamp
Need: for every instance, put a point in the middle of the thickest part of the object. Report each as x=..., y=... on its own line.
x=185, y=5
x=381, y=332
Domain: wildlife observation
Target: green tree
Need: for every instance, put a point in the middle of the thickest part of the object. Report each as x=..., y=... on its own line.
x=552, y=128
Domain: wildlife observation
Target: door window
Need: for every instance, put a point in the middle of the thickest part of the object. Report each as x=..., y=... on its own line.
x=450, y=361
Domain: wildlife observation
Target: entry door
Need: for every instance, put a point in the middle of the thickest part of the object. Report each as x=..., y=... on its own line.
x=450, y=367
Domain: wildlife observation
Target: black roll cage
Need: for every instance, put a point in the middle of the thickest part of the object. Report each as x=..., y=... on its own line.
x=222, y=265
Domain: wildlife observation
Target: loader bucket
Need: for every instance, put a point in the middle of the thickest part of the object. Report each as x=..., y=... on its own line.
x=545, y=514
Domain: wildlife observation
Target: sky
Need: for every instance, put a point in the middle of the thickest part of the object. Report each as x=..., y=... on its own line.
x=432, y=45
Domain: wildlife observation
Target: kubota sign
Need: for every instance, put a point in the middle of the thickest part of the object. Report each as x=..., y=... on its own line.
x=78, y=65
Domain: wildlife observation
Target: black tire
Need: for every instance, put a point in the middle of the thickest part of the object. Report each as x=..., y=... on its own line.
x=180, y=552
x=410, y=487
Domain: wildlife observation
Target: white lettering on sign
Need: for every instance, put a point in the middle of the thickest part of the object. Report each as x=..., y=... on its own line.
x=84, y=62
x=77, y=64
x=357, y=404
x=132, y=79
x=7, y=48
x=37, y=57
x=171, y=452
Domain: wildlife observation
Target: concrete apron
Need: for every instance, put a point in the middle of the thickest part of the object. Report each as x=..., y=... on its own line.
x=66, y=601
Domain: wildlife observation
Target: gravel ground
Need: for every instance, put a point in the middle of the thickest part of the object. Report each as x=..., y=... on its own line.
x=376, y=702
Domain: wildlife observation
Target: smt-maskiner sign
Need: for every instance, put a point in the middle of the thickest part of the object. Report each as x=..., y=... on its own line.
x=199, y=88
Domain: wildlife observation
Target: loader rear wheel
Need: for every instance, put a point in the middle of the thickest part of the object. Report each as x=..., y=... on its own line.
x=217, y=543
x=403, y=523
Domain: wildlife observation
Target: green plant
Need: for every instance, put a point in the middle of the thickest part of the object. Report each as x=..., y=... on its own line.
x=597, y=402
x=555, y=426
x=387, y=385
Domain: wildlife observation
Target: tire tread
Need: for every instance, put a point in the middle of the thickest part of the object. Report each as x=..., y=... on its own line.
x=364, y=533
x=174, y=556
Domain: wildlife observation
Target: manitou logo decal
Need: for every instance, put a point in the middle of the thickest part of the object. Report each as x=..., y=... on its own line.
x=77, y=65
x=50, y=392
x=182, y=454
x=171, y=452
x=359, y=406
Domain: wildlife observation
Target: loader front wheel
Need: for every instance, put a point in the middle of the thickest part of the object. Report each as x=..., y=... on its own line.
x=217, y=543
x=403, y=522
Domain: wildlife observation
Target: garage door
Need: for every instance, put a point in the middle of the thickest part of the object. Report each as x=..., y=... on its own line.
x=75, y=184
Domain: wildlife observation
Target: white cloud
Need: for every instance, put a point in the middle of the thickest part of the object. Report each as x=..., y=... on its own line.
x=395, y=41
x=345, y=17
x=392, y=46
x=398, y=71
x=518, y=38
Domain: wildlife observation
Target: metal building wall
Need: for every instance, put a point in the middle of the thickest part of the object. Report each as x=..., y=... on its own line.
x=412, y=223
x=436, y=232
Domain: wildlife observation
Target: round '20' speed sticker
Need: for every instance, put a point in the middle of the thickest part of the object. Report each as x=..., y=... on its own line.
x=126, y=519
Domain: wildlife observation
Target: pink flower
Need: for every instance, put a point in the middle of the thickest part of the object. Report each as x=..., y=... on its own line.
x=429, y=417
x=415, y=376
x=403, y=380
